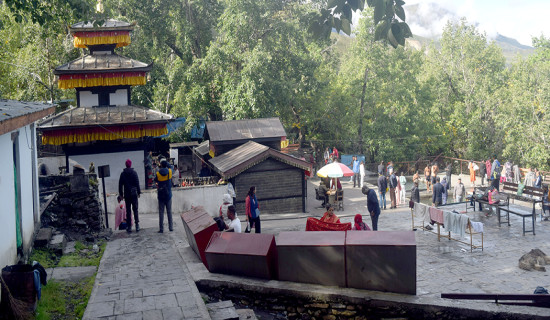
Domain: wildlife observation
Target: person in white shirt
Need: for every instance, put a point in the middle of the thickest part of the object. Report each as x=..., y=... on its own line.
x=235, y=223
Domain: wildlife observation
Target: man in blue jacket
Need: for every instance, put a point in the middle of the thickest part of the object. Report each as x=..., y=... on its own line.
x=372, y=206
x=164, y=194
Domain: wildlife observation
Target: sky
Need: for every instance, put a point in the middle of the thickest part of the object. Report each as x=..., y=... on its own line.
x=520, y=20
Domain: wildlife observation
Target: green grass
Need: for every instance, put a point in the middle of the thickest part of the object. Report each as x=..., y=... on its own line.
x=45, y=257
x=83, y=256
x=64, y=299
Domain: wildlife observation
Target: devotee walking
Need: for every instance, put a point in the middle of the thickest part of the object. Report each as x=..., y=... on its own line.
x=362, y=172
x=326, y=155
x=482, y=172
x=472, y=173
x=428, y=174
x=403, y=183
x=415, y=193
x=164, y=194
x=128, y=188
x=253, y=210
x=372, y=206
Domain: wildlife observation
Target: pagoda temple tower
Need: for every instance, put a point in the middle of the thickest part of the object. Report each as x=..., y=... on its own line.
x=104, y=128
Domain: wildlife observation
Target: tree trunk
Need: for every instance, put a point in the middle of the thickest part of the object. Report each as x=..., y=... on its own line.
x=362, y=111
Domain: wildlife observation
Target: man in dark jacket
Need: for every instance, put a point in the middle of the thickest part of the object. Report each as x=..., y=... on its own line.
x=382, y=186
x=393, y=185
x=128, y=188
x=164, y=194
x=437, y=194
x=372, y=206
x=381, y=168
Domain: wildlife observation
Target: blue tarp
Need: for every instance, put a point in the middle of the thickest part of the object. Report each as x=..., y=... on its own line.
x=347, y=159
x=173, y=126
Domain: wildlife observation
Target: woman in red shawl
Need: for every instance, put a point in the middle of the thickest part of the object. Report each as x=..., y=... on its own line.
x=359, y=224
x=329, y=216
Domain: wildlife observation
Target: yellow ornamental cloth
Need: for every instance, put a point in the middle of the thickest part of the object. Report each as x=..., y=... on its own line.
x=98, y=82
x=80, y=136
x=84, y=42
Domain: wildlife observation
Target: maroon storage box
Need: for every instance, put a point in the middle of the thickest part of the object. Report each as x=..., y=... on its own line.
x=243, y=254
x=381, y=260
x=312, y=257
x=199, y=227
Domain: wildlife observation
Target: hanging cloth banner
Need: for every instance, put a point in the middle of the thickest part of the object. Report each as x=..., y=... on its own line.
x=84, y=39
x=84, y=80
x=81, y=135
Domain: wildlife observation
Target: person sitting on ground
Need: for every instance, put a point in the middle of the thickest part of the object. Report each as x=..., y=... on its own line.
x=329, y=216
x=235, y=223
x=437, y=193
x=359, y=224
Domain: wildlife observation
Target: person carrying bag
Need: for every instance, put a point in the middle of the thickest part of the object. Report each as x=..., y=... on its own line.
x=253, y=210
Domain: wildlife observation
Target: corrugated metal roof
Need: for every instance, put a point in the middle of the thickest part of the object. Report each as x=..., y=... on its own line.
x=245, y=129
x=86, y=116
x=249, y=154
x=102, y=62
x=109, y=24
x=203, y=148
x=12, y=109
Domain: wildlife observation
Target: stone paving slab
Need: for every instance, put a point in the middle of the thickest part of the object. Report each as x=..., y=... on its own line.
x=142, y=276
x=70, y=273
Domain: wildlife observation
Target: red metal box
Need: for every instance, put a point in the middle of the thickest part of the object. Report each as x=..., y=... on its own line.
x=199, y=227
x=381, y=260
x=312, y=257
x=243, y=254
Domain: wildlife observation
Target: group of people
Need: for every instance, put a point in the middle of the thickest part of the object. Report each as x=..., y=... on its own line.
x=395, y=184
x=330, y=155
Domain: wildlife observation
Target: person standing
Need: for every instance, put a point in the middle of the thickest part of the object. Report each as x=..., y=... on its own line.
x=437, y=193
x=482, y=172
x=362, y=172
x=403, y=183
x=538, y=179
x=415, y=193
x=459, y=191
x=488, y=170
x=356, y=171
x=472, y=173
x=416, y=176
x=253, y=210
x=382, y=187
x=435, y=171
x=176, y=177
x=326, y=155
x=128, y=188
x=495, y=173
x=427, y=175
x=448, y=172
x=372, y=206
x=393, y=185
x=164, y=194
x=335, y=153
x=444, y=194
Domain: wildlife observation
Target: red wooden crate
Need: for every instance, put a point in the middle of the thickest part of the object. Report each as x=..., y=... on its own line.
x=381, y=260
x=244, y=254
x=312, y=257
x=199, y=227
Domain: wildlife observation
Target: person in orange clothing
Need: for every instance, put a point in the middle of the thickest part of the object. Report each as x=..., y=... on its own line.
x=329, y=216
x=472, y=173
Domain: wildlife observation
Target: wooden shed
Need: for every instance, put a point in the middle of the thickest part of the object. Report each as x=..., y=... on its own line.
x=227, y=135
x=279, y=178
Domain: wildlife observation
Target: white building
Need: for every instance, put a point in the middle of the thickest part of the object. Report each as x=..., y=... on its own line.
x=20, y=212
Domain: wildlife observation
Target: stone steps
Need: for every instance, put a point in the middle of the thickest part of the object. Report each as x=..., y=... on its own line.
x=224, y=310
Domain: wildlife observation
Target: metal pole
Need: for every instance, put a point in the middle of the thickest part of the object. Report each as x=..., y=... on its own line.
x=105, y=202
